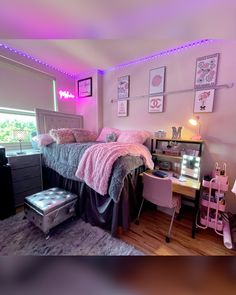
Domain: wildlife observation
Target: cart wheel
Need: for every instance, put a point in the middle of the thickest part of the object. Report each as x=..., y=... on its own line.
x=167, y=240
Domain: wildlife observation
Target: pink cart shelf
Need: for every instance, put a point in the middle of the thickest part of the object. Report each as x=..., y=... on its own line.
x=209, y=207
x=211, y=224
x=213, y=205
x=216, y=185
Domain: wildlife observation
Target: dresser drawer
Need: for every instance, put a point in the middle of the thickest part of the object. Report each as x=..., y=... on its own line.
x=27, y=184
x=20, y=197
x=26, y=173
x=24, y=161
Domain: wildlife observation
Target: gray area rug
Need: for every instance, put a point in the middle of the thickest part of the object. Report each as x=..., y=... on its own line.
x=74, y=237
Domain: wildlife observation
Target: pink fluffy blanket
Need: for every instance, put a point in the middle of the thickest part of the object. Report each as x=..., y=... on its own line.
x=96, y=164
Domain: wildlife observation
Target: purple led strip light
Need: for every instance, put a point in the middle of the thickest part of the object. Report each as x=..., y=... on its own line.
x=34, y=59
x=143, y=59
x=160, y=54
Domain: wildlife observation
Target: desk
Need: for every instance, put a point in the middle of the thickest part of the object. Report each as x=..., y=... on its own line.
x=190, y=188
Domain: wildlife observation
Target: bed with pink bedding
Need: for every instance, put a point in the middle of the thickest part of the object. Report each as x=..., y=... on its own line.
x=103, y=172
x=104, y=175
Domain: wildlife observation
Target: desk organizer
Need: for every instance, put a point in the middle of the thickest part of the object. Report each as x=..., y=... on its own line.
x=213, y=205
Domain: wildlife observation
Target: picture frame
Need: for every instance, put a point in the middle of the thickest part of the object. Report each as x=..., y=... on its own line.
x=85, y=87
x=123, y=87
x=203, y=101
x=122, y=108
x=155, y=104
x=206, y=71
x=157, y=80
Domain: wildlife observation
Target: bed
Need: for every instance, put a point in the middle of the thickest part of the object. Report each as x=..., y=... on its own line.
x=115, y=209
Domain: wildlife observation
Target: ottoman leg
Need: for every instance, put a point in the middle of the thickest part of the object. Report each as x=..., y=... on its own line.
x=47, y=235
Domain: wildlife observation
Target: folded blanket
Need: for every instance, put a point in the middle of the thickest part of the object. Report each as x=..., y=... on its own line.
x=97, y=162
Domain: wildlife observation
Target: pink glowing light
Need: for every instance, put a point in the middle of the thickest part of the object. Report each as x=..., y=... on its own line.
x=65, y=94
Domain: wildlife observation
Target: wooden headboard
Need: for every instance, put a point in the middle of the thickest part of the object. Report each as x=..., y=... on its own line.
x=46, y=120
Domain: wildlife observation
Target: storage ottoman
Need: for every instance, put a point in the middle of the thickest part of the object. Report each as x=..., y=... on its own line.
x=49, y=208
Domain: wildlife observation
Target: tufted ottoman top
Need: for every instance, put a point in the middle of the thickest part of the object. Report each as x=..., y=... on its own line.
x=49, y=200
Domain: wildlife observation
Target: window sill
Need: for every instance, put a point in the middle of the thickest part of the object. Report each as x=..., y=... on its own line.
x=16, y=146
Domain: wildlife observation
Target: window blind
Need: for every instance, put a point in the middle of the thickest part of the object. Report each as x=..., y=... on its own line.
x=24, y=88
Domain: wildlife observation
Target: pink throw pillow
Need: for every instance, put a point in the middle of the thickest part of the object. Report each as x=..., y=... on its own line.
x=63, y=135
x=43, y=139
x=105, y=131
x=133, y=136
x=82, y=135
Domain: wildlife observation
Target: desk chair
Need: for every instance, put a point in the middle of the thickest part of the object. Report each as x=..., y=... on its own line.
x=159, y=192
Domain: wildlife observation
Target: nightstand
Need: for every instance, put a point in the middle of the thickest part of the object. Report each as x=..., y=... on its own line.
x=26, y=175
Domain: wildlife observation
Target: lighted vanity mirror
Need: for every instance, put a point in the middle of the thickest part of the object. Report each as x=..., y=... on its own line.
x=190, y=166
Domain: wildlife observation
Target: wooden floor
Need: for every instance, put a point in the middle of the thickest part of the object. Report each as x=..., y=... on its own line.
x=149, y=236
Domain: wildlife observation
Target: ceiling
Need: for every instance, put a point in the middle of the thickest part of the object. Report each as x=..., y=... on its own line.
x=80, y=35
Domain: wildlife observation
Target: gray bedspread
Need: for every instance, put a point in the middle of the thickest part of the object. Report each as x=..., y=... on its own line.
x=64, y=159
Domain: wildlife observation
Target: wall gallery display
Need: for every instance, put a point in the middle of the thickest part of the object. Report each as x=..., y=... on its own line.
x=155, y=104
x=156, y=80
x=206, y=71
x=123, y=87
x=203, y=102
x=85, y=87
x=122, y=108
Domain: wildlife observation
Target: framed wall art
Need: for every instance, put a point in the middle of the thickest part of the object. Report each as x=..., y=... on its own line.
x=155, y=104
x=203, y=102
x=206, y=71
x=85, y=87
x=123, y=87
x=156, y=80
x=122, y=108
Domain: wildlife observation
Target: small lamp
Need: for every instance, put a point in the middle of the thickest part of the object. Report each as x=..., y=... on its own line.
x=234, y=188
x=195, y=121
x=20, y=135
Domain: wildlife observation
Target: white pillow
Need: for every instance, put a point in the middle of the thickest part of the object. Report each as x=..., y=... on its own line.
x=43, y=139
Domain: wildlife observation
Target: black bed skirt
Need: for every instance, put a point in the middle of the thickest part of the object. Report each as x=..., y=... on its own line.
x=101, y=210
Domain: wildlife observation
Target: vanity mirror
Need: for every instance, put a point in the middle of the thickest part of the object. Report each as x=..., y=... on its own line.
x=190, y=167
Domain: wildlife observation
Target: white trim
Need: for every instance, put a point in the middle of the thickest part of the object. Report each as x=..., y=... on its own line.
x=16, y=146
x=54, y=95
x=16, y=112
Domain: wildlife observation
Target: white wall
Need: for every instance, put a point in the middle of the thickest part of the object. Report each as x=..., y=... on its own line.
x=91, y=107
x=218, y=127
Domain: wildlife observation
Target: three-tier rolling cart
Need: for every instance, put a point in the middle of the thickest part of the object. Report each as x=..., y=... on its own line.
x=212, y=203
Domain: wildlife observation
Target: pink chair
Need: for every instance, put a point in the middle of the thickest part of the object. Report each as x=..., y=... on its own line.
x=159, y=192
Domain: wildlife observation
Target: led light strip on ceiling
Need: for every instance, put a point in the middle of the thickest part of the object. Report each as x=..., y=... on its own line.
x=117, y=67
x=21, y=53
x=161, y=54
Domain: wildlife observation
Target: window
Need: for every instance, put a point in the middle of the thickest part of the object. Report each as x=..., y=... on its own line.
x=12, y=120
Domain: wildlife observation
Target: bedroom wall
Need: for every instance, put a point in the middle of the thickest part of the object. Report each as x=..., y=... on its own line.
x=218, y=127
x=91, y=107
x=62, y=81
